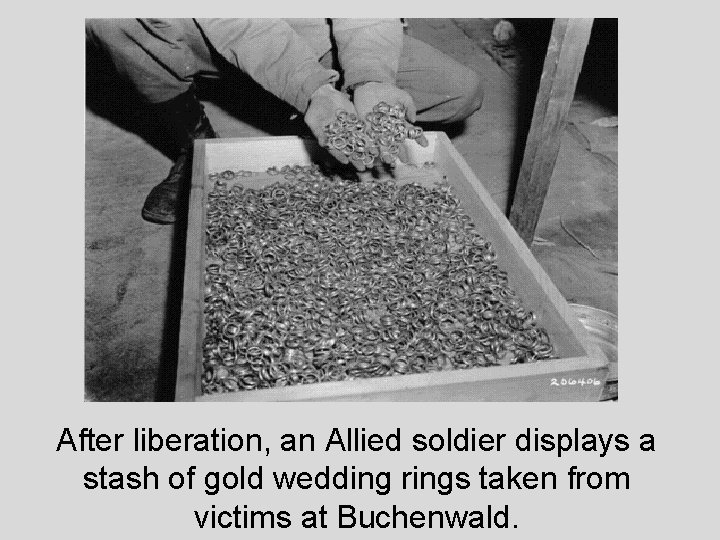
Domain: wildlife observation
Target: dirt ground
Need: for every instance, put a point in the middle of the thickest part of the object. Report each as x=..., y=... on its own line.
x=133, y=269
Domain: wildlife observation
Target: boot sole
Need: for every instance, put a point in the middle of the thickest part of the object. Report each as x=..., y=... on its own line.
x=157, y=218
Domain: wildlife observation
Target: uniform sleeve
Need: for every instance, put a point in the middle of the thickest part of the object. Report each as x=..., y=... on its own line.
x=272, y=54
x=368, y=49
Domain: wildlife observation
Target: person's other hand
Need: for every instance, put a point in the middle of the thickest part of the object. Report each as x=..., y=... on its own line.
x=325, y=103
x=369, y=94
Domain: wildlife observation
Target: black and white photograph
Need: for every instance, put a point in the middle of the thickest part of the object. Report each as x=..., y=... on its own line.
x=351, y=210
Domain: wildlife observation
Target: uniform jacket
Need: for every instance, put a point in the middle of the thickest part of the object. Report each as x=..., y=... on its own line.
x=282, y=55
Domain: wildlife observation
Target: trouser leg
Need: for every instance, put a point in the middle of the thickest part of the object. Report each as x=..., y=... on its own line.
x=161, y=58
x=154, y=55
x=444, y=90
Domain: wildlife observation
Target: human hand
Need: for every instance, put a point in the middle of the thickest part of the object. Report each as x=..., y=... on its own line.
x=325, y=103
x=368, y=95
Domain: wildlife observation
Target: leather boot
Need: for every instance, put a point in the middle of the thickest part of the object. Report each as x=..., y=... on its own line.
x=186, y=118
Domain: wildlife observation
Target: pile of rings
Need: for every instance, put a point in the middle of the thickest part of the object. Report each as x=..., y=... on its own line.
x=378, y=137
x=326, y=279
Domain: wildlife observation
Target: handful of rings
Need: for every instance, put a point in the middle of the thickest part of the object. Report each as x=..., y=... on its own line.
x=378, y=137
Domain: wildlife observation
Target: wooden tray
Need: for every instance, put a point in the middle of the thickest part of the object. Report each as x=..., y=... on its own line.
x=580, y=359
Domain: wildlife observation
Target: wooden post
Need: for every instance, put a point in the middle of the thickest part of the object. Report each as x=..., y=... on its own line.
x=563, y=62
